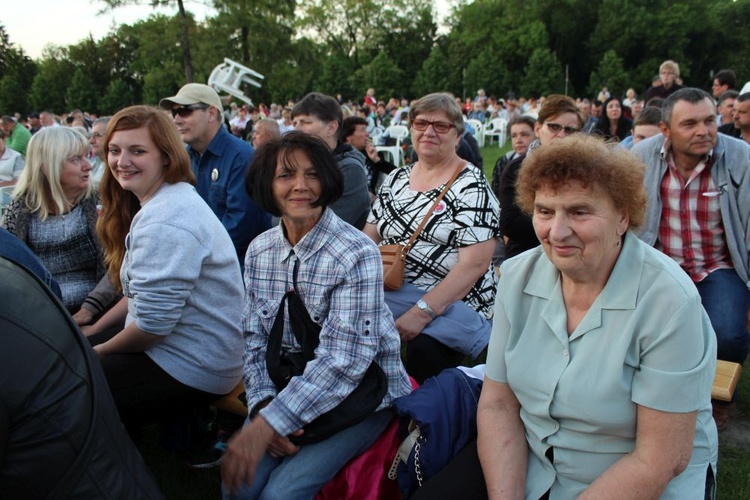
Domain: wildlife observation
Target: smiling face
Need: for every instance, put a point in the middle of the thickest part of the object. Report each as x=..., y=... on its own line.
x=74, y=175
x=430, y=145
x=579, y=229
x=692, y=129
x=296, y=188
x=135, y=162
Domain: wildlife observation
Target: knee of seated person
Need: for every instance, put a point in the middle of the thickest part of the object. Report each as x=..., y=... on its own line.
x=733, y=349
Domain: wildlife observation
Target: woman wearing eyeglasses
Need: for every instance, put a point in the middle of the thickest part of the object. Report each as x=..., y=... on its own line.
x=54, y=211
x=558, y=118
x=443, y=312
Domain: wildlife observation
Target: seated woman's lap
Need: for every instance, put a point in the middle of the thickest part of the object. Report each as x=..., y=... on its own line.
x=460, y=331
x=144, y=393
x=305, y=473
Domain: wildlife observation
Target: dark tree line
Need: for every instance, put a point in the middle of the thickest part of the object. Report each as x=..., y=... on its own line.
x=346, y=46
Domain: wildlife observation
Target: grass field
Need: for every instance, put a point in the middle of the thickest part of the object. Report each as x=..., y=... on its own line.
x=177, y=481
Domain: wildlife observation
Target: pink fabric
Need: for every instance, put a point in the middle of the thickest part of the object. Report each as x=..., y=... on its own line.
x=366, y=476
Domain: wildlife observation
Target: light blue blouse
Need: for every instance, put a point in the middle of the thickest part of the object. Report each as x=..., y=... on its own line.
x=646, y=341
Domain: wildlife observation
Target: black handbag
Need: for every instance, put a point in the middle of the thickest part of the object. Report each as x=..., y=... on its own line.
x=357, y=406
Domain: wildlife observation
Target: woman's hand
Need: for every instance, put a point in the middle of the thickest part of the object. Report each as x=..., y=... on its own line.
x=244, y=452
x=281, y=446
x=83, y=317
x=88, y=330
x=411, y=323
x=372, y=153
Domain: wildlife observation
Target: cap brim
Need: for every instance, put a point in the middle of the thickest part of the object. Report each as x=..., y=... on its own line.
x=167, y=102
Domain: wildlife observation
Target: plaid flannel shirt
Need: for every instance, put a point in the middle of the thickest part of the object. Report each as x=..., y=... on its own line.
x=340, y=282
x=691, y=230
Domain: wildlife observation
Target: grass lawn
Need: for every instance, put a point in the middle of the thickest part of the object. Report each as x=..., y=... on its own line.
x=177, y=481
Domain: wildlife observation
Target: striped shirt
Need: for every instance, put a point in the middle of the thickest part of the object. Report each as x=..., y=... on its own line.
x=691, y=230
x=340, y=281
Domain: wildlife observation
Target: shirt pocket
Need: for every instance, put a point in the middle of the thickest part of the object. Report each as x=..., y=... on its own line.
x=217, y=198
x=261, y=315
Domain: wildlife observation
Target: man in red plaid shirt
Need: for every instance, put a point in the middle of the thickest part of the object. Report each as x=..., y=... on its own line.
x=698, y=184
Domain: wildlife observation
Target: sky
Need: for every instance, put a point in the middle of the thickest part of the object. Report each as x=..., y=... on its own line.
x=33, y=24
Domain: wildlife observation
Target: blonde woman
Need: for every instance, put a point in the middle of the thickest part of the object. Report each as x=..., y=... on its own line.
x=54, y=211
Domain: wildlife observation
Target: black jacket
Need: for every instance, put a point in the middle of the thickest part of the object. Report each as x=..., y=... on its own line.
x=60, y=433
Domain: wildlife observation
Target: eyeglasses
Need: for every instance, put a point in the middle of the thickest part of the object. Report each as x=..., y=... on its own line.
x=555, y=128
x=439, y=126
x=185, y=111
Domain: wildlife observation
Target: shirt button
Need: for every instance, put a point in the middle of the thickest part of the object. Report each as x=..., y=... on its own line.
x=565, y=353
x=367, y=322
x=264, y=312
x=317, y=318
x=367, y=332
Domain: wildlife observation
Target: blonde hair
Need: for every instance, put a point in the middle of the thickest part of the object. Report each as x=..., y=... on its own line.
x=669, y=64
x=39, y=184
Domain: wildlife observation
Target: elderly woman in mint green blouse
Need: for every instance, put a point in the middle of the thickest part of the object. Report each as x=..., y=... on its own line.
x=601, y=359
x=54, y=211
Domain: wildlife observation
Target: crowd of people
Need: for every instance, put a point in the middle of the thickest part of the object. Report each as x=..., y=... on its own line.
x=601, y=270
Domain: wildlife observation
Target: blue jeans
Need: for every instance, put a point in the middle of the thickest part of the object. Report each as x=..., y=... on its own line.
x=305, y=473
x=459, y=327
x=725, y=298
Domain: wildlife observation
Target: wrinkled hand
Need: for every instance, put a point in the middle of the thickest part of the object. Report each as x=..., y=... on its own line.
x=83, y=317
x=281, y=446
x=244, y=452
x=411, y=323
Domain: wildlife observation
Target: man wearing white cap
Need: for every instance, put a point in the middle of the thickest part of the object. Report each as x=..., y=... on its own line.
x=219, y=162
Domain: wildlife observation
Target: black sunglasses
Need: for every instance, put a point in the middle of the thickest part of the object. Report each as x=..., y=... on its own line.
x=185, y=111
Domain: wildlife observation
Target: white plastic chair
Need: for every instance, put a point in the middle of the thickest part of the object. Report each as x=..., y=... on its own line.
x=497, y=127
x=396, y=152
x=230, y=76
x=377, y=136
x=5, y=197
x=478, y=131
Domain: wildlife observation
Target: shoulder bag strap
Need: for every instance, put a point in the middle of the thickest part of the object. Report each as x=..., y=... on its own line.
x=432, y=208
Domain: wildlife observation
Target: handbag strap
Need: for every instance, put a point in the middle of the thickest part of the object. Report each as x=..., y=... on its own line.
x=432, y=208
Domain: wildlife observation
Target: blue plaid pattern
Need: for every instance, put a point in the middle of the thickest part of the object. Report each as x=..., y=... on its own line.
x=340, y=281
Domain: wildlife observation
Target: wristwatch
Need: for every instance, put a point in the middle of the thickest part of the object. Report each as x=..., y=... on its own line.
x=426, y=308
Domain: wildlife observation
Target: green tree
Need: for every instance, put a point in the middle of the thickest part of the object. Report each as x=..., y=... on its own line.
x=383, y=75
x=16, y=75
x=432, y=76
x=119, y=94
x=187, y=59
x=50, y=85
x=81, y=93
x=543, y=74
x=335, y=77
x=609, y=73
